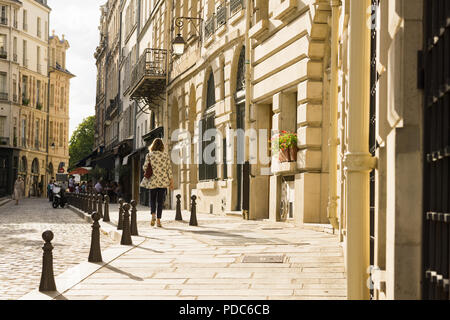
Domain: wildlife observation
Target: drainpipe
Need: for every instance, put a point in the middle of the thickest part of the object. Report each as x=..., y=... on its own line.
x=358, y=161
x=248, y=84
x=333, y=141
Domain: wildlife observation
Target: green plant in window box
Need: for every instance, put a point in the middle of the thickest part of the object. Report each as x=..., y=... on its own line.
x=39, y=106
x=285, y=144
x=25, y=101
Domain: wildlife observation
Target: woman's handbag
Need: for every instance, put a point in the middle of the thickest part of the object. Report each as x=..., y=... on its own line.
x=149, y=170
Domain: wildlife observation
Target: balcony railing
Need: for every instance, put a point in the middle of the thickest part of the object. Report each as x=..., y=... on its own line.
x=15, y=57
x=4, y=21
x=152, y=66
x=236, y=6
x=15, y=98
x=221, y=15
x=4, y=141
x=4, y=96
x=15, y=24
x=3, y=53
x=209, y=27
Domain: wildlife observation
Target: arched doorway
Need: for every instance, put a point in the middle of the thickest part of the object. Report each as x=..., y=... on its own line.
x=34, y=191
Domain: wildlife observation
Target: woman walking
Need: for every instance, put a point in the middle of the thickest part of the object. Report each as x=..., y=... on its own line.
x=19, y=189
x=160, y=178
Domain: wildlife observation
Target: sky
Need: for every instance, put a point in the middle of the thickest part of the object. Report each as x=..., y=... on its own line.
x=78, y=21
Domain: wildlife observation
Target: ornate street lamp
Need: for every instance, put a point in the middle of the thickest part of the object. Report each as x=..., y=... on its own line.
x=179, y=44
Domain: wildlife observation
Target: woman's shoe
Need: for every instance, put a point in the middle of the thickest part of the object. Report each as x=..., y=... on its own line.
x=158, y=224
x=153, y=221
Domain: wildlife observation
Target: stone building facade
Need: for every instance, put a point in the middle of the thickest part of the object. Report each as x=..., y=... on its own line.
x=364, y=84
x=24, y=111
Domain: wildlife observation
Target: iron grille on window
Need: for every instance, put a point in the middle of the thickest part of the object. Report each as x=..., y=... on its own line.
x=4, y=21
x=221, y=15
x=209, y=27
x=236, y=6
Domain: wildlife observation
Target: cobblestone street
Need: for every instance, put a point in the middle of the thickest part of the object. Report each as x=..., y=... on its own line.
x=21, y=228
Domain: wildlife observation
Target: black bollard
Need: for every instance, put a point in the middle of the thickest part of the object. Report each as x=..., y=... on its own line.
x=95, y=254
x=133, y=223
x=95, y=203
x=100, y=205
x=120, y=221
x=47, y=277
x=106, y=214
x=126, y=235
x=90, y=203
x=193, y=221
x=85, y=203
x=178, y=216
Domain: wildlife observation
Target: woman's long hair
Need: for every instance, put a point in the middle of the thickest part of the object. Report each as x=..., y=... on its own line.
x=157, y=145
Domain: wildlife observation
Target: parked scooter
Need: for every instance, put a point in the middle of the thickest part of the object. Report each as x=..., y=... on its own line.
x=59, y=197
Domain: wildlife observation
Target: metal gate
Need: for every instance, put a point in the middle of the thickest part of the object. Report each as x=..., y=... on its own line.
x=436, y=219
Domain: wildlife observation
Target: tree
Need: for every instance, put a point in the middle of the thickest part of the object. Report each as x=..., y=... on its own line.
x=82, y=141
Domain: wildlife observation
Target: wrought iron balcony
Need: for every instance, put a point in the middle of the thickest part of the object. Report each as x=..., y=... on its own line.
x=236, y=6
x=4, y=96
x=4, y=21
x=221, y=15
x=4, y=141
x=3, y=53
x=148, y=78
x=15, y=57
x=113, y=108
x=209, y=27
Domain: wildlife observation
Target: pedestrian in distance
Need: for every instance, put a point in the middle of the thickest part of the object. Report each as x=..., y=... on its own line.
x=19, y=189
x=50, y=190
x=158, y=177
x=98, y=187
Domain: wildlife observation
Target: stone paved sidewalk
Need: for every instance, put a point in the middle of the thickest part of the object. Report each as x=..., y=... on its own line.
x=219, y=260
x=21, y=241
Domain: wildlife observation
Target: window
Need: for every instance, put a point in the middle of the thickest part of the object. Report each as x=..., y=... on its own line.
x=52, y=95
x=15, y=18
x=61, y=106
x=36, y=137
x=3, y=52
x=23, y=133
x=15, y=49
x=50, y=133
x=3, y=86
x=38, y=59
x=211, y=93
x=2, y=126
x=25, y=25
x=39, y=31
x=38, y=94
x=24, y=87
x=61, y=135
x=25, y=60
x=14, y=90
x=4, y=16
